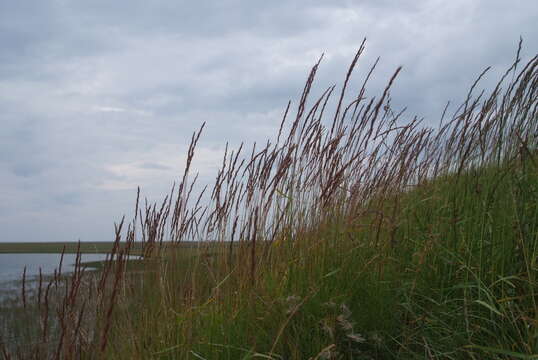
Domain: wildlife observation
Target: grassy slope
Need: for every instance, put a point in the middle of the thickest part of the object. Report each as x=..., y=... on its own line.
x=458, y=281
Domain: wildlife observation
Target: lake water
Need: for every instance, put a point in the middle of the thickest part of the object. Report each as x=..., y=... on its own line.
x=12, y=266
x=11, y=270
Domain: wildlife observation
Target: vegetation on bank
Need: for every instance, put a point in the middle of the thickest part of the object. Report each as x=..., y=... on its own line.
x=86, y=247
x=355, y=235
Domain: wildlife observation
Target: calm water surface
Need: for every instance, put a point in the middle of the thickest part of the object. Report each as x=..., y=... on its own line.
x=12, y=266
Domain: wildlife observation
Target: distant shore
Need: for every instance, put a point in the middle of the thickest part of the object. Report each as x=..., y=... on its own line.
x=94, y=247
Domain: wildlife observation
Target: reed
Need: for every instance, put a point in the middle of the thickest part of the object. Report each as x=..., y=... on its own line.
x=360, y=235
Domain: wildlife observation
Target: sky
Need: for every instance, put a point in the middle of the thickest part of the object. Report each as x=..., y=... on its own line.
x=99, y=97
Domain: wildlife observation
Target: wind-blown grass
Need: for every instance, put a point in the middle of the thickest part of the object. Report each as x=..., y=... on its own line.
x=356, y=235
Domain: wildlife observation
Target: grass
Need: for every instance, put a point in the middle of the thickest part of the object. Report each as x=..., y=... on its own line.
x=55, y=247
x=363, y=236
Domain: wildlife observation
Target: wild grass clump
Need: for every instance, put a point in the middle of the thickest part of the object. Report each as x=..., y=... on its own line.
x=355, y=235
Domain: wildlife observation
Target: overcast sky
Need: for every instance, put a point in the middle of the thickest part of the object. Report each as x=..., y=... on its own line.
x=98, y=97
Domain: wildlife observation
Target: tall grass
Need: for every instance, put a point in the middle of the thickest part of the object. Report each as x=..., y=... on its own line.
x=356, y=235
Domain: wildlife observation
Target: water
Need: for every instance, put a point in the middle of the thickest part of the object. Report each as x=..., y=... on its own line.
x=12, y=267
x=11, y=270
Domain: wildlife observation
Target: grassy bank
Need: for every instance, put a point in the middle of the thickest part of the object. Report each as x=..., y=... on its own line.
x=450, y=274
x=386, y=241
x=97, y=247
x=356, y=235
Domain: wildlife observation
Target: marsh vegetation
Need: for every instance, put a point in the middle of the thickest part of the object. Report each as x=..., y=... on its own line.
x=358, y=233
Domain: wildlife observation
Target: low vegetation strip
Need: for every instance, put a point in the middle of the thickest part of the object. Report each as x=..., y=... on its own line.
x=56, y=247
x=355, y=235
x=72, y=247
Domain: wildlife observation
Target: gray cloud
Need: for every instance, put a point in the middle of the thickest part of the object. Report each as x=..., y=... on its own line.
x=154, y=166
x=99, y=97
